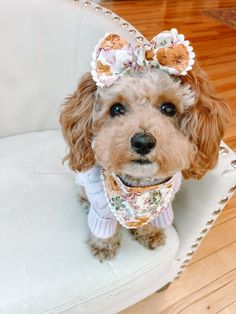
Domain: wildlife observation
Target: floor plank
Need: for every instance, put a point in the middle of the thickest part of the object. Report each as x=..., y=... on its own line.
x=214, y=297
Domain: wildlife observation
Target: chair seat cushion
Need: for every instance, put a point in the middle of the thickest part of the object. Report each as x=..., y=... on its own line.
x=45, y=263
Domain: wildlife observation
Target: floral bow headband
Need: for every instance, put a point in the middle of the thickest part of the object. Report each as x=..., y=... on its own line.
x=113, y=56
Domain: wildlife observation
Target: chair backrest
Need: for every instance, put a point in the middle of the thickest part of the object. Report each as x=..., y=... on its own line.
x=45, y=48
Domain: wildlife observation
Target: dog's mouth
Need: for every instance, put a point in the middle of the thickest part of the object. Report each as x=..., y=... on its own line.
x=141, y=161
x=140, y=168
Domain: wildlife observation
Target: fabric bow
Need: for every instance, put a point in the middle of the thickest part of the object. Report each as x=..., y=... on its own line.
x=114, y=56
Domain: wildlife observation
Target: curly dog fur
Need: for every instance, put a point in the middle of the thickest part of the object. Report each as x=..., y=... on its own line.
x=187, y=142
x=105, y=248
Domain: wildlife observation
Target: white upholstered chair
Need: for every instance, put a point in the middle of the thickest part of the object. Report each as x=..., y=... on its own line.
x=45, y=263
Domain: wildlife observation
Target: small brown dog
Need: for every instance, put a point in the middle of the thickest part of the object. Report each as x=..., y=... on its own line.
x=181, y=122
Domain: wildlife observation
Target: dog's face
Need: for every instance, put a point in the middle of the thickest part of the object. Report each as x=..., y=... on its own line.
x=136, y=125
x=146, y=124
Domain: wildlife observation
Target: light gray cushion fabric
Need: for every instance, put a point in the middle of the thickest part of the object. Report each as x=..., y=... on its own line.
x=45, y=263
x=46, y=46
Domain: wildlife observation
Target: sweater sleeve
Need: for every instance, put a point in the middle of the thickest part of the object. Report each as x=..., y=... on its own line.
x=102, y=223
x=164, y=219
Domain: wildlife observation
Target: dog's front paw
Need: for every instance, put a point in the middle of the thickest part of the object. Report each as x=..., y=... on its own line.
x=104, y=248
x=149, y=236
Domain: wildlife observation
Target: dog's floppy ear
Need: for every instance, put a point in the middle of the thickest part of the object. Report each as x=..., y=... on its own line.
x=204, y=123
x=76, y=121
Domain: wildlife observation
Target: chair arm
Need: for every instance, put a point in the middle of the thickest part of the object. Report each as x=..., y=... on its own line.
x=199, y=203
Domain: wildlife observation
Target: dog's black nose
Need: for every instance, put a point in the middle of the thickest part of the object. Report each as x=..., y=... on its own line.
x=143, y=143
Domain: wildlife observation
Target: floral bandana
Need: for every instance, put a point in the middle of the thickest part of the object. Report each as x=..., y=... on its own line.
x=113, y=56
x=134, y=207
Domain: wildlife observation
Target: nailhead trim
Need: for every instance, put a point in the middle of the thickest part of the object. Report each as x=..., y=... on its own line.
x=210, y=222
x=178, y=274
x=186, y=261
x=224, y=200
x=224, y=150
x=190, y=253
x=125, y=25
x=199, y=239
x=233, y=164
x=87, y=3
x=232, y=189
x=216, y=212
x=116, y=19
x=139, y=39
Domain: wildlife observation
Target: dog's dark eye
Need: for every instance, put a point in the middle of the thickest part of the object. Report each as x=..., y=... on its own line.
x=168, y=109
x=117, y=110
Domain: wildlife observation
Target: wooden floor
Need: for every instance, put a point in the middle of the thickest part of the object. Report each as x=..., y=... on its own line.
x=209, y=284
